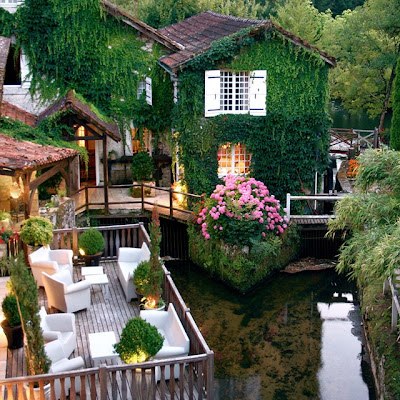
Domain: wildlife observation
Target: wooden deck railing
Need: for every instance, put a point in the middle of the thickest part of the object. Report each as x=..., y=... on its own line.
x=136, y=381
x=143, y=200
x=358, y=139
x=116, y=236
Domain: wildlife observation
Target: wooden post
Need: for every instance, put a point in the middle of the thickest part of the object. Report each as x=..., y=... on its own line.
x=75, y=241
x=87, y=199
x=395, y=314
x=288, y=206
x=385, y=286
x=376, y=138
x=105, y=173
x=171, y=203
x=210, y=375
x=142, y=190
x=103, y=382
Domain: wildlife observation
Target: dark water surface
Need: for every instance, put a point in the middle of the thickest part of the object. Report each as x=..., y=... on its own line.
x=296, y=337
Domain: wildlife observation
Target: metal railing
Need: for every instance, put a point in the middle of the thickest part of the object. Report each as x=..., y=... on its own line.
x=389, y=284
x=315, y=198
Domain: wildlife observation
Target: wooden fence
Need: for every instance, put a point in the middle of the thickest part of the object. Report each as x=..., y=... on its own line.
x=143, y=200
x=358, y=139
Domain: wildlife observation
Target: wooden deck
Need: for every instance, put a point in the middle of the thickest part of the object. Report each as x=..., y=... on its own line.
x=104, y=315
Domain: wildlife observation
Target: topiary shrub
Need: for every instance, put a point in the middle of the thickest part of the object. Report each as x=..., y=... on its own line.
x=10, y=310
x=141, y=278
x=142, y=167
x=37, y=231
x=91, y=242
x=139, y=341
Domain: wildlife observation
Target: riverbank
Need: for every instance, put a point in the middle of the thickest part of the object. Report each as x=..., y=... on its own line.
x=383, y=345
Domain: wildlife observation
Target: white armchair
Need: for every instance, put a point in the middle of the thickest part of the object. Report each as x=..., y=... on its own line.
x=60, y=363
x=59, y=327
x=65, y=295
x=128, y=259
x=49, y=261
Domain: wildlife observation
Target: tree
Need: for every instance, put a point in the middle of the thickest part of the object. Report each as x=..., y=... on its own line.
x=371, y=216
x=365, y=42
x=301, y=18
x=395, y=128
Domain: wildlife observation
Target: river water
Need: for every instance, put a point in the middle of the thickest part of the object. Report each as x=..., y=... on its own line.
x=296, y=337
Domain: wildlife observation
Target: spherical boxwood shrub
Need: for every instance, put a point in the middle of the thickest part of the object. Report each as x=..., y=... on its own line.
x=10, y=310
x=240, y=212
x=142, y=167
x=37, y=231
x=91, y=241
x=139, y=341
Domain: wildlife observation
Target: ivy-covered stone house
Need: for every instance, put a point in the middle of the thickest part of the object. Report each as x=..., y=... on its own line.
x=107, y=57
x=251, y=98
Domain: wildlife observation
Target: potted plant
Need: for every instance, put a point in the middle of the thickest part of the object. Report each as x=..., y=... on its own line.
x=91, y=246
x=37, y=231
x=139, y=341
x=12, y=323
x=25, y=291
x=142, y=172
x=112, y=155
x=5, y=219
x=141, y=278
x=152, y=290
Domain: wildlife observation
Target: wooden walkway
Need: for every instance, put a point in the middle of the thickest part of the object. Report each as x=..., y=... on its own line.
x=104, y=315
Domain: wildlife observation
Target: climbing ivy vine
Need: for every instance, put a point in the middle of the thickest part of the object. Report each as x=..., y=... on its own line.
x=77, y=45
x=287, y=145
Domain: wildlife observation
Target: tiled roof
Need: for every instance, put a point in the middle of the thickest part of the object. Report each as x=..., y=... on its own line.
x=11, y=111
x=197, y=33
x=23, y=155
x=70, y=102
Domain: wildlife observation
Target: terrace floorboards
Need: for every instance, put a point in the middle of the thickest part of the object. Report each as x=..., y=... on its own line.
x=104, y=315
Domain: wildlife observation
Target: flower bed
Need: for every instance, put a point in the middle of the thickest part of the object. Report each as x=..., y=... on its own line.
x=241, y=211
x=243, y=234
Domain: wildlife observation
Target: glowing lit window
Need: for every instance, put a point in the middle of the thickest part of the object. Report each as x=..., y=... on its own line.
x=81, y=133
x=143, y=143
x=233, y=159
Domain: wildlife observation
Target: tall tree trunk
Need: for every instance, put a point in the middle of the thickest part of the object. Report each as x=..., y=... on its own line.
x=388, y=92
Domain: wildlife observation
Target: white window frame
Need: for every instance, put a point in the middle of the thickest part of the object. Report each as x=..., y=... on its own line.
x=233, y=158
x=146, y=85
x=217, y=92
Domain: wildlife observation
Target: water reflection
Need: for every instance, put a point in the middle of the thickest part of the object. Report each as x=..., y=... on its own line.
x=296, y=337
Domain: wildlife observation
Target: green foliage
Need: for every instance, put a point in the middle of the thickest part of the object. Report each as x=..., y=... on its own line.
x=4, y=215
x=25, y=290
x=337, y=6
x=288, y=145
x=10, y=310
x=7, y=23
x=141, y=278
x=142, y=167
x=371, y=216
x=139, y=341
x=51, y=184
x=37, y=231
x=91, y=241
x=243, y=268
x=395, y=126
x=365, y=43
x=302, y=19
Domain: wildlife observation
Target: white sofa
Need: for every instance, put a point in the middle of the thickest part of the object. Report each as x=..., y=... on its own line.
x=49, y=261
x=65, y=295
x=128, y=259
x=176, y=341
x=60, y=363
x=59, y=327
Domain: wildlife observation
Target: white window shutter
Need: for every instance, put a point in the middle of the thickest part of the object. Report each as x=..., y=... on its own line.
x=212, y=93
x=25, y=81
x=149, y=91
x=258, y=93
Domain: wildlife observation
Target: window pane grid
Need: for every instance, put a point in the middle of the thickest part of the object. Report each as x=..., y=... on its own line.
x=233, y=159
x=234, y=91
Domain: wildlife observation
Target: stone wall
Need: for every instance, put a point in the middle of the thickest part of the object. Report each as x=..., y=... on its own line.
x=63, y=216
